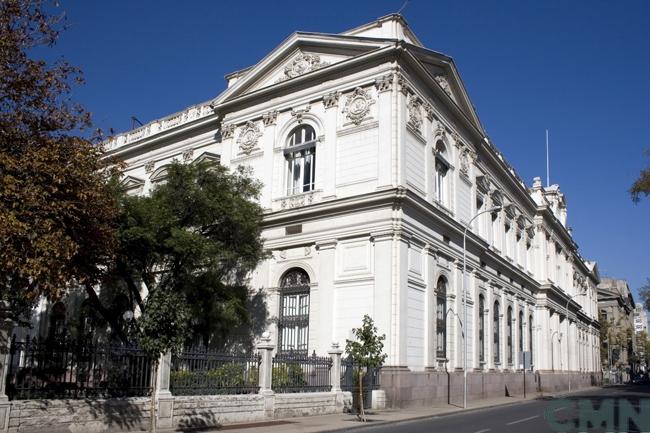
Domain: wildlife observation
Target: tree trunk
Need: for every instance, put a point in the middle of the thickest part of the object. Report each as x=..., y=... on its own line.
x=111, y=319
x=362, y=413
x=154, y=386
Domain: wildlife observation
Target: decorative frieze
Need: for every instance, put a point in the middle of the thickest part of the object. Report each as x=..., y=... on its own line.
x=296, y=201
x=270, y=118
x=298, y=114
x=331, y=99
x=403, y=85
x=358, y=105
x=149, y=166
x=384, y=83
x=248, y=137
x=187, y=155
x=227, y=131
x=414, y=106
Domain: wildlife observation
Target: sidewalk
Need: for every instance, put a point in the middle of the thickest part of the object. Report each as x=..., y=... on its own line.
x=345, y=421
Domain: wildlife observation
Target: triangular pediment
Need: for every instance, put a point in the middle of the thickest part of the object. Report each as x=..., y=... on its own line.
x=301, y=54
x=131, y=182
x=444, y=72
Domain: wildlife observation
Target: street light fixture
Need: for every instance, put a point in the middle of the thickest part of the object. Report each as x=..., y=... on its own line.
x=467, y=226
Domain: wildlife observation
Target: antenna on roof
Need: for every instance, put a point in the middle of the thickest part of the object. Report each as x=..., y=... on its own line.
x=134, y=120
x=403, y=6
x=548, y=176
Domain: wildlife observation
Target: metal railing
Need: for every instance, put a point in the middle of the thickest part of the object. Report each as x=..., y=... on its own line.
x=294, y=372
x=61, y=368
x=200, y=371
x=349, y=382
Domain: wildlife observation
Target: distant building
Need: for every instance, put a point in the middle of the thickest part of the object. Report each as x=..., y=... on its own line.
x=616, y=306
x=640, y=319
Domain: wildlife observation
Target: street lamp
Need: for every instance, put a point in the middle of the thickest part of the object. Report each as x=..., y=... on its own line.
x=568, y=323
x=490, y=210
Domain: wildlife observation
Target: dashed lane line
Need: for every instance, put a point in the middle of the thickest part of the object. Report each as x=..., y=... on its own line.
x=523, y=420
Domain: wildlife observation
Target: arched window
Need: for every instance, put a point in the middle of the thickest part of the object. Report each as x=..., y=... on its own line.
x=509, y=341
x=530, y=338
x=441, y=318
x=300, y=154
x=441, y=170
x=497, y=333
x=293, y=321
x=481, y=328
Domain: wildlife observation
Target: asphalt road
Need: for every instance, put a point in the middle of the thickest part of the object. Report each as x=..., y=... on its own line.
x=533, y=416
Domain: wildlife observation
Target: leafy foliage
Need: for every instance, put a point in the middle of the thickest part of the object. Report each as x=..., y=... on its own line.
x=644, y=293
x=189, y=247
x=641, y=185
x=367, y=349
x=57, y=215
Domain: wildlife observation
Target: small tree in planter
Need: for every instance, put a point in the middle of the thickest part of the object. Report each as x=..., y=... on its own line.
x=365, y=351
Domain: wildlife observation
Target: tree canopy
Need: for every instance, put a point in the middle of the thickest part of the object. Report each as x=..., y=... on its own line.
x=642, y=185
x=188, y=249
x=57, y=215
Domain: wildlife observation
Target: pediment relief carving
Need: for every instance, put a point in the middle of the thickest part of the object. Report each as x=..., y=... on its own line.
x=302, y=64
x=441, y=79
x=208, y=157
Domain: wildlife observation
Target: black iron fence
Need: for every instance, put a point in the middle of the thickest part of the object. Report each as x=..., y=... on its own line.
x=62, y=368
x=350, y=382
x=205, y=372
x=293, y=372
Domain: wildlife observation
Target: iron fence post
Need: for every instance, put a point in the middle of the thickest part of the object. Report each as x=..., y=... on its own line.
x=335, y=373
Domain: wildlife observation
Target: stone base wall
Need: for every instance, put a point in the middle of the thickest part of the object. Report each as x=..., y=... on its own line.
x=191, y=412
x=65, y=416
x=405, y=388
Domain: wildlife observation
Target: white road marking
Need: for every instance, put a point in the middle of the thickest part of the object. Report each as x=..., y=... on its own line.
x=559, y=409
x=483, y=431
x=522, y=420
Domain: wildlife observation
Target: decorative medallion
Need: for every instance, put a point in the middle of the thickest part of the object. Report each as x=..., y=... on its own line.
x=227, y=131
x=270, y=118
x=358, y=105
x=331, y=99
x=188, y=154
x=248, y=137
x=302, y=64
x=442, y=81
x=149, y=166
x=415, y=113
x=384, y=83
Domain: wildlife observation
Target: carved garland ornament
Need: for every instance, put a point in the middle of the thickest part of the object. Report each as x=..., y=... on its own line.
x=358, y=105
x=415, y=113
x=248, y=137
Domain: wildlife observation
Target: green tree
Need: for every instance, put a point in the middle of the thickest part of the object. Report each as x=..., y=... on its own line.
x=365, y=351
x=641, y=185
x=57, y=215
x=644, y=293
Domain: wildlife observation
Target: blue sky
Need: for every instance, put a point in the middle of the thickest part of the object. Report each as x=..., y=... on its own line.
x=579, y=68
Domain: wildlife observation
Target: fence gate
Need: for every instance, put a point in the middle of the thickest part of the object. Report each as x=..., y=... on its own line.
x=349, y=382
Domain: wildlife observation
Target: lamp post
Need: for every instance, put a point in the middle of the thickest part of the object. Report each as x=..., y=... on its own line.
x=568, y=324
x=490, y=210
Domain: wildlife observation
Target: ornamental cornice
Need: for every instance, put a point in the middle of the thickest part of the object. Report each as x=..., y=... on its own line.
x=403, y=84
x=428, y=109
x=227, y=131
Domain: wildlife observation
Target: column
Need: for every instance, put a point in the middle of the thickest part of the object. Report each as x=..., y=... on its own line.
x=335, y=373
x=164, y=398
x=265, y=377
x=325, y=318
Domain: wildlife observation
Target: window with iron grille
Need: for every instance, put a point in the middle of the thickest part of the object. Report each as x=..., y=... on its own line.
x=293, y=322
x=481, y=328
x=497, y=334
x=441, y=318
x=509, y=318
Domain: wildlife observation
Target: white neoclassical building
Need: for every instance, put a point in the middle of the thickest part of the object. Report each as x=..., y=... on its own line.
x=373, y=161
